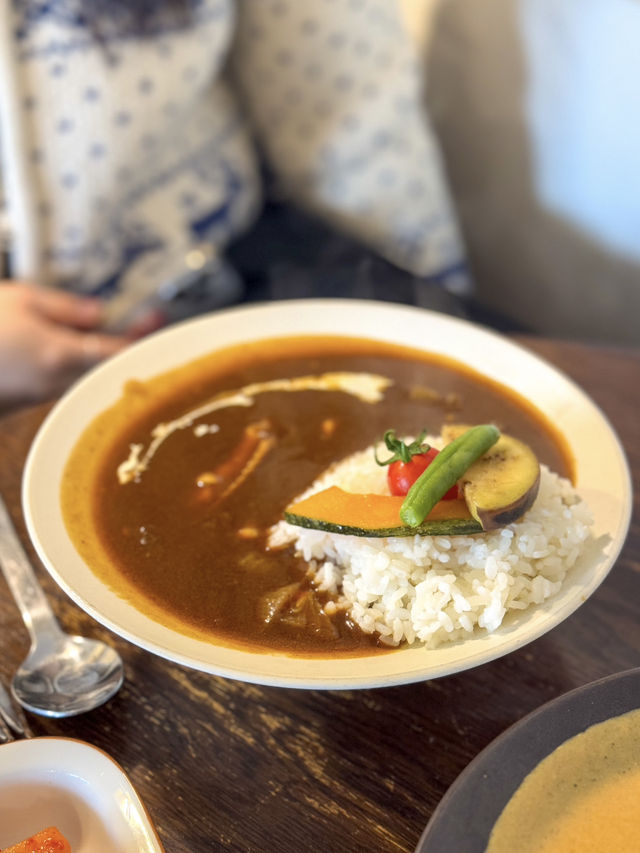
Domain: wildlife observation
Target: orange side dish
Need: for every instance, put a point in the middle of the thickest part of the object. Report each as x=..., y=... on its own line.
x=49, y=840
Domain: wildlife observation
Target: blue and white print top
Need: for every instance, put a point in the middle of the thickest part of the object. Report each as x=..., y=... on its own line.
x=117, y=148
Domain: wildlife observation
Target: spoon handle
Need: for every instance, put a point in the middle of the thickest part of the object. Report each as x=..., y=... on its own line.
x=9, y=715
x=18, y=572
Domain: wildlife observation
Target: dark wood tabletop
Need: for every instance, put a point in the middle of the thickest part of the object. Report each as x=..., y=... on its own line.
x=223, y=765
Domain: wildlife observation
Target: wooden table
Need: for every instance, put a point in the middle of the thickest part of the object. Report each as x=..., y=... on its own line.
x=223, y=765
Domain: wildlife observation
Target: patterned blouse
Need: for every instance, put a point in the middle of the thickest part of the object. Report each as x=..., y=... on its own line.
x=121, y=152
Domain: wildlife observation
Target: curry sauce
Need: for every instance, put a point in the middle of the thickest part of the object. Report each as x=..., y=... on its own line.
x=185, y=538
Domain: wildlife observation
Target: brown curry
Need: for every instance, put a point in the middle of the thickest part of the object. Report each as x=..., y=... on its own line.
x=185, y=538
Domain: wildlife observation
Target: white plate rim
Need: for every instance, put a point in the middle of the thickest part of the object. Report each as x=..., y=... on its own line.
x=502, y=360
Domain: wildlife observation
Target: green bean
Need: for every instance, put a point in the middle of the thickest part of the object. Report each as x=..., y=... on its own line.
x=445, y=470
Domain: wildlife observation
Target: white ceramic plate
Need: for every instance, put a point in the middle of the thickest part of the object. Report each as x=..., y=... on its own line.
x=76, y=787
x=601, y=469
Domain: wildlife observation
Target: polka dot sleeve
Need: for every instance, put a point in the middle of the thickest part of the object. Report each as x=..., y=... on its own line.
x=335, y=93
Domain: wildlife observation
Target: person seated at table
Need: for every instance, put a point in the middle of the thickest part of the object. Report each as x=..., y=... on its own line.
x=135, y=136
x=47, y=340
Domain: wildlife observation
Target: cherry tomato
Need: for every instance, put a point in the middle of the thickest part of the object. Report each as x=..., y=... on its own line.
x=402, y=475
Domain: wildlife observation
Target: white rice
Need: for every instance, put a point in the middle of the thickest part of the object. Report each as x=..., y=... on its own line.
x=436, y=589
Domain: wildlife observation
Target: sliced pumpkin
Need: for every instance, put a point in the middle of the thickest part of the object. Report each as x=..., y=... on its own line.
x=336, y=511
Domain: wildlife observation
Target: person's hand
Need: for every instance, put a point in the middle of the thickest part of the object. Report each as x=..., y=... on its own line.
x=48, y=339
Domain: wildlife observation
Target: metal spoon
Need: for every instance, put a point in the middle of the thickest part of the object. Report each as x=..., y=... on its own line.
x=62, y=675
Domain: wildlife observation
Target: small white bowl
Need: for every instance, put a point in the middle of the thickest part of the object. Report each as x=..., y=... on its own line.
x=601, y=472
x=54, y=781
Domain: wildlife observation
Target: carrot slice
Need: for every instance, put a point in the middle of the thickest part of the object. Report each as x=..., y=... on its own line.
x=255, y=443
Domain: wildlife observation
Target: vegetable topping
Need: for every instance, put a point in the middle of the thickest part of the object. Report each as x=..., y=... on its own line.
x=337, y=511
x=445, y=470
x=407, y=463
x=495, y=475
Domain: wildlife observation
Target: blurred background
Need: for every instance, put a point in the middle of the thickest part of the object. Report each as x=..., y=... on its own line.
x=534, y=105
x=475, y=157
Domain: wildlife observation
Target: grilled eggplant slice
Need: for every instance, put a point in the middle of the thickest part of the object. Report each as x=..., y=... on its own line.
x=500, y=486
